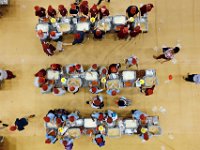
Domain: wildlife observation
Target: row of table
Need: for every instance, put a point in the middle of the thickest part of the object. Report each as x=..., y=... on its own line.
x=74, y=24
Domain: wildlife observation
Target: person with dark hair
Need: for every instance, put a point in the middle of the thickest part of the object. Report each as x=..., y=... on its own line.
x=135, y=31
x=78, y=38
x=94, y=11
x=146, y=8
x=40, y=11
x=99, y=2
x=63, y=11
x=168, y=53
x=131, y=11
x=98, y=34
x=193, y=78
x=123, y=102
x=51, y=11
x=123, y=32
x=114, y=68
x=148, y=91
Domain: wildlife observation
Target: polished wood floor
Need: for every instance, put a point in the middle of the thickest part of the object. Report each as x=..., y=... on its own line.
x=170, y=22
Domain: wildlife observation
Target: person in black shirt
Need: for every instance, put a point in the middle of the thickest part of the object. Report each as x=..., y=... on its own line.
x=131, y=11
x=74, y=10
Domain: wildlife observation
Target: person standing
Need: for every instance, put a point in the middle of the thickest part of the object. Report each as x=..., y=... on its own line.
x=48, y=48
x=146, y=8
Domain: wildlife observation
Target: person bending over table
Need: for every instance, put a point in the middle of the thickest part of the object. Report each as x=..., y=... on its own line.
x=46, y=88
x=146, y=8
x=114, y=68
x=135, y=32
x=95, y=90
x=51, y=11
x=84, y=9
x=123, y=32
x=99, y=139
x=103, y=12
x=40, y=12
x=67, y=142
x=43, y=36
x=63, y=11
x=94, y=11
x=168, y=54
x=74, y=10
x=132, y=11
x=59, y=91
x=78, y=38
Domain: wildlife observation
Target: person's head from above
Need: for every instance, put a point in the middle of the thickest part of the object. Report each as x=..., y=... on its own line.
x=94, y=89
x=125, y=30
x=77, y=36
x=109, y=120
x=149, y=7
x=78, y=66
x=98, y=32
x=48, y=141
x=133, y=10
x=71, y=118
x=72, y=88
x=71, y=69
x=73, y=6
x=97, y=102
x=56, y=91
x=53, y=33
x=104, y=71
x=37, y=8
x=46, y=119
x=137, y=29
x=99, y=140
x=65, y=143
x=143, y=117
x=60, y=7
x=149, y=91
x=101, y=116
x=55, y=66
x=13, y=128
x=40, y=33
x=41, y=80
x=94, y=7
x=50, y=8
x=103, y=9
x=121, y=103
x=176, y=50
x=85, y=3
x=44, y=87
x=114, y=92
x=58, y=121
x=94, y=66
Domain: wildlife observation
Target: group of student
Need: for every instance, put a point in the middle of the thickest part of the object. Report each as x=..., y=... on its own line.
x=61, y=119
x=93, y=14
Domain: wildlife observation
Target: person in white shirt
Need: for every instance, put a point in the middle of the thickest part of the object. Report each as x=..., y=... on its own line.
x=6, y=74
x=46, y=88
x=43, y=36
x=39, y=81
x=56, y=36
x=131, y=61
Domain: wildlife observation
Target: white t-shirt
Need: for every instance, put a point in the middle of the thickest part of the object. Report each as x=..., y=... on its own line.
x=3, y=74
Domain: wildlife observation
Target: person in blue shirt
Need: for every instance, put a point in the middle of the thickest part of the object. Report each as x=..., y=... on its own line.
x=99, y=139
x=78, y=38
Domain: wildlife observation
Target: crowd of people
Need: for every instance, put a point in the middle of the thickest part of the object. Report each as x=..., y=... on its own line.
x=81, y=12
x=66, y=126
x=58, y=79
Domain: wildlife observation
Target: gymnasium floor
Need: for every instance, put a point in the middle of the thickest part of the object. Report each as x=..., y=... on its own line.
x=170, y=22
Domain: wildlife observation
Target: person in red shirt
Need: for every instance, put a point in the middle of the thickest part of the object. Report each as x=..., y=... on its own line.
x=94, y=11
x=63, y=11
x=84, y=8
x=51, y=11
x=40, y=11
x=146, y=8
x=135, y=32
x=103, y=12
x=99, y=2
x=56, y=67
x=48, y=48
x=41, y=73
x=123, y=32
x=147, y=91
